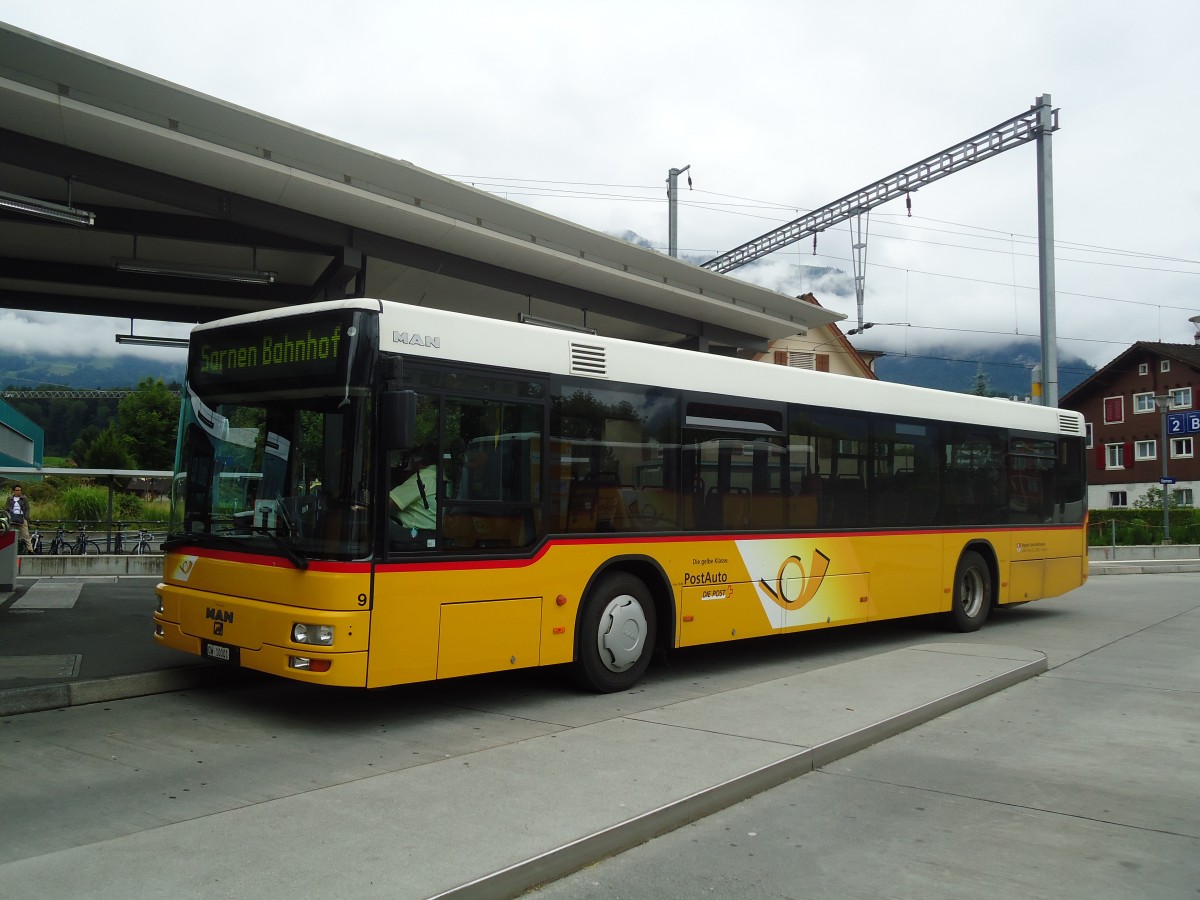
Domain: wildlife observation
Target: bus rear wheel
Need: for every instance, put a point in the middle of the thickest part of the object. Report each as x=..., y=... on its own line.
x=972, y=593
x=616, y=634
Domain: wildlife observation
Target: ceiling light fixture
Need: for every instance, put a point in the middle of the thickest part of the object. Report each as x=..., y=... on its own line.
x=44, y=210
x=552, y=323
x=151, y=341
x=185, y=270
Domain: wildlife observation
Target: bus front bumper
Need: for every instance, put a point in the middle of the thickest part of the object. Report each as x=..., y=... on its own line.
x=186, y=621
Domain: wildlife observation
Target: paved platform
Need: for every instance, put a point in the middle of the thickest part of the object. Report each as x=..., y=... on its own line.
x=69, y=640
x=628, y=779
x=62, y=645
x=482, y=789
x=1079, y=784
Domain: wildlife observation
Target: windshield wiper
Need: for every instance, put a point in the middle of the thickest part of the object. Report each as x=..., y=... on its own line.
x=298, y=559
x=294, y=554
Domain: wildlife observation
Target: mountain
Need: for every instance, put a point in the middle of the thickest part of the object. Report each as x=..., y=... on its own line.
x=1005, y=368
x=23, y=372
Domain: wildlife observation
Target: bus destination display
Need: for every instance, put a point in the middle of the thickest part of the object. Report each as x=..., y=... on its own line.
x=291, y=350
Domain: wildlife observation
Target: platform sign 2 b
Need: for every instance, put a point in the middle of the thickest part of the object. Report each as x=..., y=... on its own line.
x=1183, y=423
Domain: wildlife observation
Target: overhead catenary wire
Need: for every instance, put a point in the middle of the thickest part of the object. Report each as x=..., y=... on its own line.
x=654, y=196
x=907, y=229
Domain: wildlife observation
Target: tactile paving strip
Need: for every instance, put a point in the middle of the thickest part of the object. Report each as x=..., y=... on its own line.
x=63, y=666
x=50, y=595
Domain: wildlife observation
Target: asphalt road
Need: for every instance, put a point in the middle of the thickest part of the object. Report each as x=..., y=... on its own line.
x=1079, y=782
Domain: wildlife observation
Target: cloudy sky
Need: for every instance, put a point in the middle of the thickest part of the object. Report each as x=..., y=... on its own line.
x=580, y=109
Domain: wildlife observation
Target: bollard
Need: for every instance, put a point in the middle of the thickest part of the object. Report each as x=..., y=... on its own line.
x=8, y=557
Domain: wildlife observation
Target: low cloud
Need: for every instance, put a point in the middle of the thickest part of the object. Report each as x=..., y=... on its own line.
x=24, y=333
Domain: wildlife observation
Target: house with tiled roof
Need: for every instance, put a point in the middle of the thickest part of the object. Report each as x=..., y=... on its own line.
x=823, y=348
x=1125, y=424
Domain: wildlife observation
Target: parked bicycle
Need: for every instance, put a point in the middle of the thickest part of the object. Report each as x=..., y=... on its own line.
x=142, y=544
x=58, y=544
x=83, y=545
x=35, y=539
x=138, y=544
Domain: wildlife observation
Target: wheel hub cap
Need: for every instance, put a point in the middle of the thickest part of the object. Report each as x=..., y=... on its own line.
x=622, y=633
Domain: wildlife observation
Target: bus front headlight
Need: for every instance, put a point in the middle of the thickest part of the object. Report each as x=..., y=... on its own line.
x=305, y=633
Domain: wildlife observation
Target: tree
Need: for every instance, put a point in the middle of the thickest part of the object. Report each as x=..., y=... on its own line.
x=1153, y=499
x=108, y=451
x=83, y=443
x=148, y=418
x=980, y=385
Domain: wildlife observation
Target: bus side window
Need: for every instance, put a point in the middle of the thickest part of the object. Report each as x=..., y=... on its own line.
x=492, y=470
x=615, y=459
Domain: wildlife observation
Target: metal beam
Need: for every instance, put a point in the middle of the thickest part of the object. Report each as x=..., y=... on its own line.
x=156, y=309
x=169, y=190
x=1045, y=192
x=465, y=269
x=1008, y=134
x=67, y=394
x=192, y=228
x=227, y=207
x=60, y=273
x=345, y=267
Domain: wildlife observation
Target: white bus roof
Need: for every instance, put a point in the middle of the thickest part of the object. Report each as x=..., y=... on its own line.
x=449, y=336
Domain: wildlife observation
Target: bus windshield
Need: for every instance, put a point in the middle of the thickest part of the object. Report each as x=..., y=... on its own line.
x=276, y=462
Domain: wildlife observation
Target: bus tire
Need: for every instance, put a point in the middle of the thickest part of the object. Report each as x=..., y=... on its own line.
x=616, y=634
x=972, y=593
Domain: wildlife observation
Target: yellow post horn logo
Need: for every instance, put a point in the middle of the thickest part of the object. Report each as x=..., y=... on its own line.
x=792, y=573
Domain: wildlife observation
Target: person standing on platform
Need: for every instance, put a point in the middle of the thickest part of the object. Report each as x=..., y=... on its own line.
x=17, y=508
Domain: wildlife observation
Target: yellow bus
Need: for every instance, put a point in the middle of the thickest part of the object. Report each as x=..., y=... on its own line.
x=578, y=500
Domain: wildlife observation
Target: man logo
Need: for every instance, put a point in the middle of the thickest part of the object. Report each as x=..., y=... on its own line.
x=218, y=628
x=416, y=340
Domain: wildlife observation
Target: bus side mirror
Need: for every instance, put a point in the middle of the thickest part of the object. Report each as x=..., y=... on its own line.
x=398, y=419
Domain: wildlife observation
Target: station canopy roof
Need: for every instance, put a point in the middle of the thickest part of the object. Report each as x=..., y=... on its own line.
x=180, y=181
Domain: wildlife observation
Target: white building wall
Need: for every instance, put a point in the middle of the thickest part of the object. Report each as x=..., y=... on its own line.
x=1100, y=495
x=15, y=445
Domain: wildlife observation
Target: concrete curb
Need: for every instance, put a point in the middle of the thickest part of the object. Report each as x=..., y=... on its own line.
x=148, y=565
x=552, y=865
x=37, y=698
x=1144, y=567
x=41, y=697
x=1143, y=552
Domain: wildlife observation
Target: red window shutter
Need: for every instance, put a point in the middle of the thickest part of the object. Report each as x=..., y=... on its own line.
x=1101, y=456
x=822, y=362
x=1128, y=454
x=1114, y=410
x=781, y=357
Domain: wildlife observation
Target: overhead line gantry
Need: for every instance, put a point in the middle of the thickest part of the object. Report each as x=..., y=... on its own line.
x=1036, y=124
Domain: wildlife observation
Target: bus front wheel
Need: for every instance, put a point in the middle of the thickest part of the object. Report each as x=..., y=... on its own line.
x=972, y=593
x=616, y=634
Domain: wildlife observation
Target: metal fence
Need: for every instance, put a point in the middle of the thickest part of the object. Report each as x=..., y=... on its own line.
x=62, y=537
x=1137, y=532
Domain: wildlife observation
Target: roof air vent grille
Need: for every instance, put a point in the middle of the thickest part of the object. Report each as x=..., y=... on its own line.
x=588, y=359
x=1069, y=425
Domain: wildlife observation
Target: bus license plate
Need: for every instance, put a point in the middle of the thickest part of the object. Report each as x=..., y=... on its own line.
x=220, y=652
